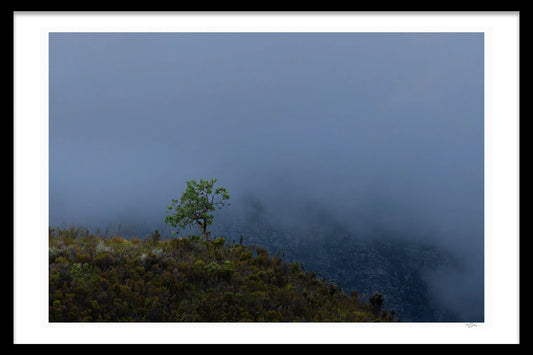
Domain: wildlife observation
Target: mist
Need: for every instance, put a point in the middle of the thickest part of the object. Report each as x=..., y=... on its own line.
x=362, y=134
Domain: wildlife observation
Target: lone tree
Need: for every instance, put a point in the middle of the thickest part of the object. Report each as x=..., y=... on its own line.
x=196, y=205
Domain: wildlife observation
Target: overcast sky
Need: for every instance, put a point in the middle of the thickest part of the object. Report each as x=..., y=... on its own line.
x=387, y=126
x=351, y=119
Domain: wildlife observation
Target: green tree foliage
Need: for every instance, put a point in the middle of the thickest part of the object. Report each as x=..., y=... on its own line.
x=94, y=279
x=197, y=203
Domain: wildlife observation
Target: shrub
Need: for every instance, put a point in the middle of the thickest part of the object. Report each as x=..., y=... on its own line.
x=104, y=260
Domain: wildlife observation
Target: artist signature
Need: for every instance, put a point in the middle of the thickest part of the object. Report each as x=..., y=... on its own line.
x=471, y=325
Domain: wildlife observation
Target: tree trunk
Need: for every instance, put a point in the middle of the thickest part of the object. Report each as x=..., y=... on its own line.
x=203, y=226
x=206, y=233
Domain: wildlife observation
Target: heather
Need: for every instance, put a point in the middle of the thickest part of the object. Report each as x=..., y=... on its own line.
x=93, y=278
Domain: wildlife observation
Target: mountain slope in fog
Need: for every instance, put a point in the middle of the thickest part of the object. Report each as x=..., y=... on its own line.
x=404, y=270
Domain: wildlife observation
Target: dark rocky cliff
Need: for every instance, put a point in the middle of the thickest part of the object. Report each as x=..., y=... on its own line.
x=398, y=269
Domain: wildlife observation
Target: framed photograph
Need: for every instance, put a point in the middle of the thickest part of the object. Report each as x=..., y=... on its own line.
x=266, y=177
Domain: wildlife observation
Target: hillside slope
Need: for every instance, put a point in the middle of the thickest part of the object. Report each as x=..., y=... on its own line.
x=399, y=267
x=189, y=280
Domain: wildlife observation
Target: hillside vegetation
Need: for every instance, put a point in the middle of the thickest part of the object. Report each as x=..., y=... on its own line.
x=93, y=279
